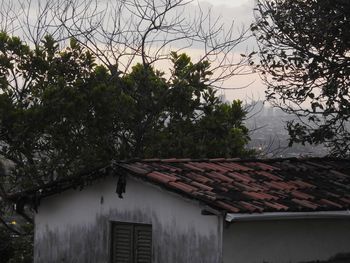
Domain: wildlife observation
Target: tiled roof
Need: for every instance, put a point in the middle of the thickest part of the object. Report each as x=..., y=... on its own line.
x=255, y=186
x=229, y=185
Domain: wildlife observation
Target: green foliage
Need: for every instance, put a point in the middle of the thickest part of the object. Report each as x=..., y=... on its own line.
x=6, y=250
x=61, y=113
x=15, y=248
x=56, y=110
x=304, y=51
x=215, y=134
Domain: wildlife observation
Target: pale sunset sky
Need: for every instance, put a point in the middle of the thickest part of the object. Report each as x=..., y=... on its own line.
x=242, y=12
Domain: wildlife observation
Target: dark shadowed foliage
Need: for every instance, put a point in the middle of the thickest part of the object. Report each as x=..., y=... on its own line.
x=62, y=114
x=305, y=62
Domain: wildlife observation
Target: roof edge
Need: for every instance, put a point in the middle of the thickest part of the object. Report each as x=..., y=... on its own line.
x=231, y=217
x=233, y=159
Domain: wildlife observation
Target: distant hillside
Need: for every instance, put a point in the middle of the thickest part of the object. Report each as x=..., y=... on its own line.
x=270, y=137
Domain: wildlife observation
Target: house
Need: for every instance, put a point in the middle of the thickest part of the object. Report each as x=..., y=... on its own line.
x=196, y=211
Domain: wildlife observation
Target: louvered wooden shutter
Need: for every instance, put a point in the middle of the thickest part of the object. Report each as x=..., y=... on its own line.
x=131, y=243
x=122, y=243
x=143, y=244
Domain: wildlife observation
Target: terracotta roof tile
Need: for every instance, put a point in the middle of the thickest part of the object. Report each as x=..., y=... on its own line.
x=257, y=186
x=301, y=195
x=199, y=178
x=193, y=167
x=228, y=207
x=328, y=202
x=265, y=166
x=161, y=177
x=182, y=186
x=215, y=167
x=339, y=174
x=219, y=177
x=251, y=207
x=206, y=196
x=345, y=200
x=220, y=188
x=305, y=203
x=269, y=175
x=280, y=185
x=175, y=160
x=247, y=186
x=334, y=195
x=276, y=206
x=240, y=177
x=319, y=165
x=168, y=168
x=235, y=166
x=202, y=186
x=260, y=196
x=303, y=184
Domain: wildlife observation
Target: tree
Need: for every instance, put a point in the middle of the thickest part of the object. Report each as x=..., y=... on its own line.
x=80, y=88
x=6, y=249
x=62, y=113
x=183, y=116
x=75, y=79
x=304, y=60
x=15, y=248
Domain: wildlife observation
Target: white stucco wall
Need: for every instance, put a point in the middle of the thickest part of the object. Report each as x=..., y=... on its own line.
x=74, y=226
x=285, y=241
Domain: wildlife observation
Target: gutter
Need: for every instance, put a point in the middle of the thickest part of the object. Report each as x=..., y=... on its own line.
x=231, y=217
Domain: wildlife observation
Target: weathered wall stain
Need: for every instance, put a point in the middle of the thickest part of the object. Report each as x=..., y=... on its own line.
x=180, y=232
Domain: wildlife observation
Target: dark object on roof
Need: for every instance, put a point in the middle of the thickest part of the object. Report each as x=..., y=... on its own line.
x=244, y=186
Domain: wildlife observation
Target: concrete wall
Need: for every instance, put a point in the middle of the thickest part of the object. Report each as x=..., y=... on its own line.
x=74, y=226
x=287, y=241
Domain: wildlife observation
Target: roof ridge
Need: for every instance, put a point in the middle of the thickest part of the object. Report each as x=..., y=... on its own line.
x=233, y=159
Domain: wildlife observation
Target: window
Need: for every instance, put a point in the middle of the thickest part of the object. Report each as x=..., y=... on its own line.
x=131, y=243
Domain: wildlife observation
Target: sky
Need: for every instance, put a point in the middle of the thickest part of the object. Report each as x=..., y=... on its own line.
x=242, y=12
x=232, y=3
